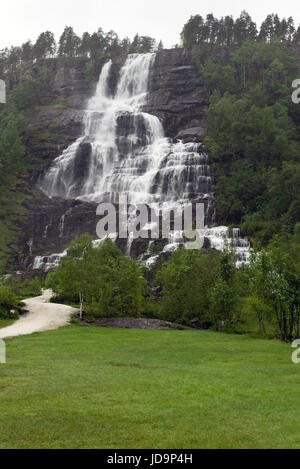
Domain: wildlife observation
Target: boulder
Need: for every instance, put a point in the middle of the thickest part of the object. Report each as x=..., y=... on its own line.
x=192, y=134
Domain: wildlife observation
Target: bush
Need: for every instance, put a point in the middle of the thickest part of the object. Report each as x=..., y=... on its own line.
x=27, y=289
x=108, y=283
x=8, y=301
x=185, y=283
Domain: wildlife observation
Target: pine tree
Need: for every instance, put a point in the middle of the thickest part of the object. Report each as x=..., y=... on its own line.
x=69, y=43
x=45, y=45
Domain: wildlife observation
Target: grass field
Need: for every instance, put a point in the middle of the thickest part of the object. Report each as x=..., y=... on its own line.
x=89, y=387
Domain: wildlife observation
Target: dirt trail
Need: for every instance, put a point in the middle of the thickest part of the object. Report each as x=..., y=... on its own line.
x=42, y=316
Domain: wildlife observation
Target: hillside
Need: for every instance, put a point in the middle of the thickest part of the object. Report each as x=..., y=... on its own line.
x=181, y=89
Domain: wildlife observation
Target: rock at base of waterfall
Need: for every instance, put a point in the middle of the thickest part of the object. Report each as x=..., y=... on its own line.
x=193, y=134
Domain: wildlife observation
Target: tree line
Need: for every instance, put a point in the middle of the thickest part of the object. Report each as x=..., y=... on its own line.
x=191, y=287
x=227, y=31
x=96, y=46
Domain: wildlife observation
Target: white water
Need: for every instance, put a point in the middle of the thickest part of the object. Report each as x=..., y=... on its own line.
x=127, y=152
x=124, y=151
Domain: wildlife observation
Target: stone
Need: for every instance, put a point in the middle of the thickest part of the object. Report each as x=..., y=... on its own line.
x=192, y=134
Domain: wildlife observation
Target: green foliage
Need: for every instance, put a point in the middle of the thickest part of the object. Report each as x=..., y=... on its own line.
x=227, y=31
x=223, y=294
x=98, y=46
x=274, y=286
x=12, y=152
x=110, y=284
x=27, y=288
x=33, y=91
x=185, y=282
x=253, y=137
x=8, y=301
x=15, y=162
x=45, y=46
x=69, y=43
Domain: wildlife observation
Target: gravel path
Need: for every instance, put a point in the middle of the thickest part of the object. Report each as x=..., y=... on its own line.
x=42, y=316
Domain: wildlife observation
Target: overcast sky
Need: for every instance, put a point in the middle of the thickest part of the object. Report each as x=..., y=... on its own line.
x=21, y=20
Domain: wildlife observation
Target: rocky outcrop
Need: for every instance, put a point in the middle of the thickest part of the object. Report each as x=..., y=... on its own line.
x=51, y=226
x=55, y=125
x=194, y=134
x=69, y=80
x=177, y=94
x=133, y=323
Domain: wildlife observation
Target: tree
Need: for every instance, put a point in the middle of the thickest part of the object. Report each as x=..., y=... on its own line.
x=14, y=58
x=185, y=282
x=291, y=30
x=97, y=45
x=8, y=301
x=244, y=28
x=142, y=44
x=102, y=279
x=223, y=295
x=193, y=31
x=272, y=27
x=274, y=277
x=228, y=31
x=69, y=43
x=85, y=45
x=296, y=37
x=45, y=46
x=211, y=28
x=27, y=52
x=267, y=29
x=259, y=280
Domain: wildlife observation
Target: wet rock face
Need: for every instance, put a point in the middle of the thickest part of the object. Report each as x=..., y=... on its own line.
x=131, y=133
x=82, y=162
x=56, y=125
x=194, y=134
x=115, y=72
x=176, y=94
x=70, y=81
x=52, y=225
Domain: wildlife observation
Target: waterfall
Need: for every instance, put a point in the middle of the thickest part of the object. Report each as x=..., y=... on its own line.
x=124, y=151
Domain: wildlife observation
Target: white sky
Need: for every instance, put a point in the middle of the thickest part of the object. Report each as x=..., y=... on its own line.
x=21, y=20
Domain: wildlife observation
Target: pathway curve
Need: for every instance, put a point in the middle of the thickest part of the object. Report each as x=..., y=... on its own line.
x=42, y=316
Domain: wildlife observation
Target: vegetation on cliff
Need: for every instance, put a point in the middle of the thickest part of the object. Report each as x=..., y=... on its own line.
x=16, y=161
x=227, y=32
x=253, y=125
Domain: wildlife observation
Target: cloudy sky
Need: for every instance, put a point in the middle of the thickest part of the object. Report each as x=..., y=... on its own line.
x=21, y=20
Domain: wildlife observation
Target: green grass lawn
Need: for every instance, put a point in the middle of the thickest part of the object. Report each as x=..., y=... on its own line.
x=89, y=387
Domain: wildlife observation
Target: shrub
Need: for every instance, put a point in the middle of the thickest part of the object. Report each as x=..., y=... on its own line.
x=8, y=301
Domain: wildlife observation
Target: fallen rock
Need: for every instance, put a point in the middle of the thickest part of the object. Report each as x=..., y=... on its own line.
x=192, y=134
x=134, y=323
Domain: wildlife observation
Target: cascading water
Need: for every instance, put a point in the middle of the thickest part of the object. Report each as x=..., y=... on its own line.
x=124, y=151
